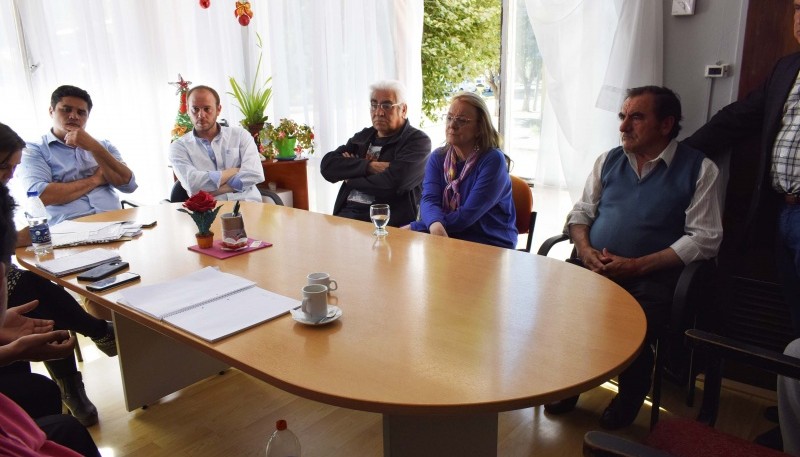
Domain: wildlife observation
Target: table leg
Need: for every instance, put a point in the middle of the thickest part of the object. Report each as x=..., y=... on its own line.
x=421, y=436
x=153, y=365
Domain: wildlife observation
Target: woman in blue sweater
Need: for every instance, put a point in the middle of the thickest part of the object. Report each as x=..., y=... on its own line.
x=466, y=193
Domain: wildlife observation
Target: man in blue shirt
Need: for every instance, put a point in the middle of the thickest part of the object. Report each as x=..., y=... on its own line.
x=74, y=174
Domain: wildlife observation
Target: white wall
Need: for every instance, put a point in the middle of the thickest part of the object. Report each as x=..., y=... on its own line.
x=714, y=33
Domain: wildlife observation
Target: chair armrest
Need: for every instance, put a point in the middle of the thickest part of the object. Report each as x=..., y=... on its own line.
x=273, y=195
x=694, y=279
x=728, y=348
x=531, y=225
x=601, y=444
x=550, y=242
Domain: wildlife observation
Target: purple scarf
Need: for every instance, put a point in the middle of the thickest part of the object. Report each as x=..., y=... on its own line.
x=451, y=198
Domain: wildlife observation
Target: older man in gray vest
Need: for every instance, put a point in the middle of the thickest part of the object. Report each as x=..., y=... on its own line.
x=649, y=207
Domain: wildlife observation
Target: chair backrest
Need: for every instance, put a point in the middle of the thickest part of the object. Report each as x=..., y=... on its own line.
x=178, y=194
x=523, y=203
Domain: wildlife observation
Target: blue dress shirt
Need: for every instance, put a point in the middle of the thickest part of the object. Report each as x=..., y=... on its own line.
x=51, y=160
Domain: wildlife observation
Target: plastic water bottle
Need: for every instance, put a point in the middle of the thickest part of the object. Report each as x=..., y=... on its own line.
x=36, y=214
x=283, y=443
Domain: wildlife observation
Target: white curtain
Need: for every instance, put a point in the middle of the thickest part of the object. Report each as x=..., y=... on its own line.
x=593, y=51
x=322, y=57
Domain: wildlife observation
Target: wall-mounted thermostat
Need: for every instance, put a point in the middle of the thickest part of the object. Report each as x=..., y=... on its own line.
x=682, y=7
x=716, y=71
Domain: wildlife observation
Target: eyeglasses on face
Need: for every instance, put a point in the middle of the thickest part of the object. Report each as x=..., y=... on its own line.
x=386, y=106
x=456, y=121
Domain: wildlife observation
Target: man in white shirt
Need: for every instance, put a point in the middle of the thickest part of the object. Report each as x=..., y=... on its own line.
x=222, y=161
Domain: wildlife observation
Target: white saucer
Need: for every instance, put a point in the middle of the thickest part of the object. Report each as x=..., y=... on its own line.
x=334, y=313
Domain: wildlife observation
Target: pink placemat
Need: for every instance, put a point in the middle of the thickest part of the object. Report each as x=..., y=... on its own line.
x=217, y=251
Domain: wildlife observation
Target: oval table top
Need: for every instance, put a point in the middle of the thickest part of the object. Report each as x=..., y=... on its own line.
x=430, y=325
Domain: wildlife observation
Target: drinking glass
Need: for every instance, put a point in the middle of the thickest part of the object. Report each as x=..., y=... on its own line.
x=380, y=217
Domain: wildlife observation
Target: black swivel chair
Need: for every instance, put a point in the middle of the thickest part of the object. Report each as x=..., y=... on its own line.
x=179, y=194
x=691, y=291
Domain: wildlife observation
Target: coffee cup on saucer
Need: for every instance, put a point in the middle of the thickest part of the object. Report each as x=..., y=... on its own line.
x=315, y=301
x=323, y=279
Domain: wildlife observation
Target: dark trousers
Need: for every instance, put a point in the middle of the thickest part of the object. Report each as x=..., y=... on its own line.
x=34, y=393
x=58, y=305
x=655, y=294
x=68, y=432
x=788, y=259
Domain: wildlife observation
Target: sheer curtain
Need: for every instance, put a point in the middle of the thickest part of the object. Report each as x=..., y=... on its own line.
x=324, y=56
x=593, y=51
x=321, y=55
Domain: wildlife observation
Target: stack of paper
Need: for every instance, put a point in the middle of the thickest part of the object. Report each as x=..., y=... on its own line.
x=78, y=262
x=71, y=233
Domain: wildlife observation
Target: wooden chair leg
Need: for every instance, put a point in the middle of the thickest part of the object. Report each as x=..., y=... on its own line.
x=78, y=353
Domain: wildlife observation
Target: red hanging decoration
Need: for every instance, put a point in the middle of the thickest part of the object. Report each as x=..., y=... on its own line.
x=205, y=4
x=243, y=12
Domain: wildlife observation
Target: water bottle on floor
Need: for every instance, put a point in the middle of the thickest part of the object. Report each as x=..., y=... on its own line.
x=36, y=215
x=283, y=443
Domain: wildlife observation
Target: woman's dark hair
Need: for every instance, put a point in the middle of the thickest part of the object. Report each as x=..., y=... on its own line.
x=8, y=232
x=10, y=142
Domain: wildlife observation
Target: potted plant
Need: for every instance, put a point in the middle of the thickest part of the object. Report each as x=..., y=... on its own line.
x=253, y=101
x=201, y=206
x=287, y=139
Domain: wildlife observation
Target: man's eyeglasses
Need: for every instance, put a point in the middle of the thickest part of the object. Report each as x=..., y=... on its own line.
x=456, y=121
x=386, y=106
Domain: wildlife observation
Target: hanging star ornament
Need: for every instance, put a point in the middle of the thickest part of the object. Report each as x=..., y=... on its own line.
x=243, y=12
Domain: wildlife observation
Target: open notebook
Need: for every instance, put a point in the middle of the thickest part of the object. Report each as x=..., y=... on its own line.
x=208, y=303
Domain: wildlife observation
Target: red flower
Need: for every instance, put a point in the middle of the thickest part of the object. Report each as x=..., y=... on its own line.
x=200, y=202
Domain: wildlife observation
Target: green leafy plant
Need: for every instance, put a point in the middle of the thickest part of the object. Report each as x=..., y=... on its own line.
x=252, y=102
x=287, y=128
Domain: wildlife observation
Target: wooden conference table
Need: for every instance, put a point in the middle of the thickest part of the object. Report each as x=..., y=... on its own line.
x=438, y=335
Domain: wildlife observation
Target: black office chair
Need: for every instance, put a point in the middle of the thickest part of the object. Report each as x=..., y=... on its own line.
x=178, y=193
x=691, y=291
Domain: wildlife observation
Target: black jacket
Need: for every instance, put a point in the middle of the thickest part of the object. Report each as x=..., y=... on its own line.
x=400, y=185
x=757, y=115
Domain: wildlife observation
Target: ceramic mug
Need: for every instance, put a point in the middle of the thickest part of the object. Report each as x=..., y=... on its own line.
x=315, y=301
x=324, y=279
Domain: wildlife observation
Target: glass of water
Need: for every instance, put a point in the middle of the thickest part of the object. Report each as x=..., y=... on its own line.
x=380, y=217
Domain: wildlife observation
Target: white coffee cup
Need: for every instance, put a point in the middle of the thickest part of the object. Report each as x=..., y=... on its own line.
x=315, y=301
x=324, y=279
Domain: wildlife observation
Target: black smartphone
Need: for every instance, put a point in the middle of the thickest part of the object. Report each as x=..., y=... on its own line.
x=149, y=223
x=114, y=281
x=101, y=271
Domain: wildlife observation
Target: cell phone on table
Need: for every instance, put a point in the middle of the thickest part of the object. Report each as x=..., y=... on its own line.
x=101, y=271
x=113, y=281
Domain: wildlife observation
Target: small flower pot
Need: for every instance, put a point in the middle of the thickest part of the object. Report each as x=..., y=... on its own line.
x=204, y=241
